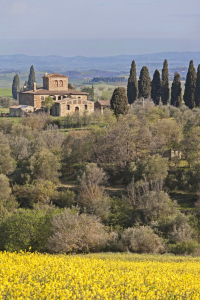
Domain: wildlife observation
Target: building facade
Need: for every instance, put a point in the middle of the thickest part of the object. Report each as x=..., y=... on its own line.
x=66, y=101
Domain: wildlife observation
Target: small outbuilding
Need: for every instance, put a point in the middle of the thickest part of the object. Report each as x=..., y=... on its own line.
x=102, y=104
x=20, y=110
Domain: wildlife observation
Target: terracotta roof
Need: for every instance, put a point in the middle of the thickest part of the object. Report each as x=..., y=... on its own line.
x=104, y=102
x=49, y=92
x=55, y=75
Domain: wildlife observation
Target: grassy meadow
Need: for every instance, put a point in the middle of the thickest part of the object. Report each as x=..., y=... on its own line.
x=6, y=93
x=98, y=276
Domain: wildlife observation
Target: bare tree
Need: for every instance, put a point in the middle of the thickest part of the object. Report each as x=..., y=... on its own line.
x=76, y=233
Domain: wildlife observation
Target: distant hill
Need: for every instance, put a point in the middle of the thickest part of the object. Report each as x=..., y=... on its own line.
x=119, y=63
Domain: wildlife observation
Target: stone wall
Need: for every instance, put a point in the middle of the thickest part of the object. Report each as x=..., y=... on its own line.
x=37, y=101
x=26, y=99
x=72, y=106
x=82, y=97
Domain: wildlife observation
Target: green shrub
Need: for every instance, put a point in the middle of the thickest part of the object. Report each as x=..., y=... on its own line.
x=24, y=229
x=65, y=199
x=186, y=247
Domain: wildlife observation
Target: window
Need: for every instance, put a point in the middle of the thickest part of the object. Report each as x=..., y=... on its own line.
x=60, y=83
x=42, y=97
x=68, y=107
x=85, y=107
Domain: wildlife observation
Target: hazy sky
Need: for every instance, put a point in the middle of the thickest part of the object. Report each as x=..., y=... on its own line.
x=95, y=19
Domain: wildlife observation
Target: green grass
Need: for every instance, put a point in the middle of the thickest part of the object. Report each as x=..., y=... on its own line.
x=12, y=119
x=141, y=257
x=6, y=92
x=4, y=110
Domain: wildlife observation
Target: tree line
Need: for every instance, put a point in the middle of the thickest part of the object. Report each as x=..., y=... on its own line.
x=158, y=88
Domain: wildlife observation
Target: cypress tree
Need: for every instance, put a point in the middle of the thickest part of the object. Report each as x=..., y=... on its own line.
x=197, y=90
x=132, y=87
x=15, y=86
x=165, y=83
x=190, y=86
x=119, y=101
x=156, y=88
x=31, y=78
x=176, y=91
x=144, y=83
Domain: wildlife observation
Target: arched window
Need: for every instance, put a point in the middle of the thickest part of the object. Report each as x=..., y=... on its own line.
x=60, y=83
x=56, y=83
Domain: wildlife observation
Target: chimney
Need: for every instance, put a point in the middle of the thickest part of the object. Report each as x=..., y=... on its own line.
x=34, y=87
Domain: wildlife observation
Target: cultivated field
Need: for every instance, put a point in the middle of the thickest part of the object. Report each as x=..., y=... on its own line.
x=98, y=276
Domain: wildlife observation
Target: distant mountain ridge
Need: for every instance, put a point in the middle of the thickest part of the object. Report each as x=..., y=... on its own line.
x=115, y=64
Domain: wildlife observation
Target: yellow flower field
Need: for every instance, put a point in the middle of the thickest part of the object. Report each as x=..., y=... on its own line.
x=98, y=276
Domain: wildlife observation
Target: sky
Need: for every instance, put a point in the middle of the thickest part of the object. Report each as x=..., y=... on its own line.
x=33, y=26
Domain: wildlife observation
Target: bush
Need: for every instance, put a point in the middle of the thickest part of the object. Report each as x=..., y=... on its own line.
x=156, y=205
x=25, y=229
x=150, y=168
x=65, y=199
x=37, y=121
x=92, y=196
x=6, y=102
x=99, y=206
x=175, y=227
x=41, y=192
x=92, y=175
x=6, y=162
x=44, y=165
x=76, y=233
x=142, y=240
x=186, y=248
x=7, y=201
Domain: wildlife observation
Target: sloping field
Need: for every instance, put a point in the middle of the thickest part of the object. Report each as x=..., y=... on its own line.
x=98, y=276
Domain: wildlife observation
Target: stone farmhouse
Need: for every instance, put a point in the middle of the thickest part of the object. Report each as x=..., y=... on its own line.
x=66, y=101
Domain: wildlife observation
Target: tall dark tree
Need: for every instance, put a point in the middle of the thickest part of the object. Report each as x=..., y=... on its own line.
x=176, y=91
x=197, y=90
x=31, y=78
x=144, y=83
x=156, y=88
x=165, y=83
x=119, y=101
x=190, y=86
x=90, y=91
x=132, y=87
x=15, y=86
